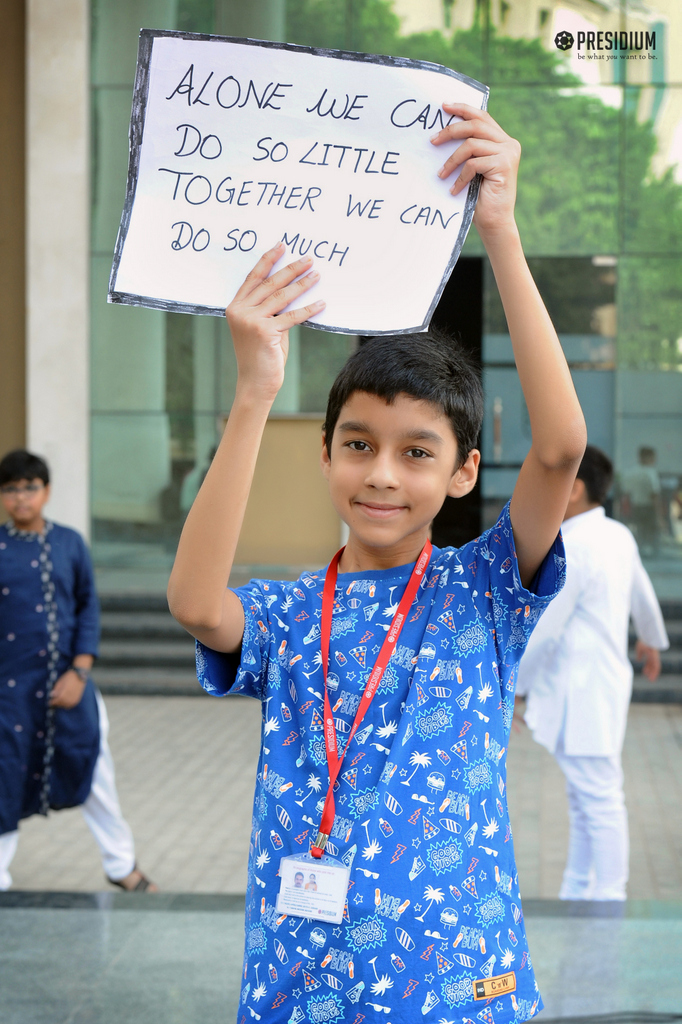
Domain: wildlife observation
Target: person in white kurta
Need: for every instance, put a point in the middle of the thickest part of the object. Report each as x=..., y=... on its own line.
x=577, y=678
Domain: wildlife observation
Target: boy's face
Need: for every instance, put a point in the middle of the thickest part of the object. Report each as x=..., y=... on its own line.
x=390, y=470
x=24, y=501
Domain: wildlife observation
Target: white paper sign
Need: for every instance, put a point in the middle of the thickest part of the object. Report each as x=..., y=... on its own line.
x=237, y=144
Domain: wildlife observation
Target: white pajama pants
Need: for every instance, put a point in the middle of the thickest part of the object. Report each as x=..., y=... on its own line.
x=102, y=813
x=599, y=847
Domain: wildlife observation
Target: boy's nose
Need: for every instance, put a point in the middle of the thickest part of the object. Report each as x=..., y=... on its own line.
x=383, y=473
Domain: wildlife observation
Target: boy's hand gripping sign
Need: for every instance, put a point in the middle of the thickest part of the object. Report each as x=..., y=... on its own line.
x=237, y=144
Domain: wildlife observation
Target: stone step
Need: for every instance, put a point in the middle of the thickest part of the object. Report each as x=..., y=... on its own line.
x=672, y=610
x=143, y=625
x=150, y=647
x=181, y=681
x=666, y=690
x=674, y=630
x=178, y=649
x=156, y=601
x=175, y=653
x=134, y=602
x=129, y=624
x=671, y=662
x=147, y=682
x=145, y=651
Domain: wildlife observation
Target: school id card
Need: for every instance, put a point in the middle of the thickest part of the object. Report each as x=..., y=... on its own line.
x=313, y=887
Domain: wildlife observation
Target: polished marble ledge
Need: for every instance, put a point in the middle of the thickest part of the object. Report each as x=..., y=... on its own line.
x=103, y=958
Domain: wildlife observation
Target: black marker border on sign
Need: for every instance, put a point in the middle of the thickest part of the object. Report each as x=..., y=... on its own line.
x=137, y=120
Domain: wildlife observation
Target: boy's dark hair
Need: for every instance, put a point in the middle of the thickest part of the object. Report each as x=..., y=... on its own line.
x=430, y=367
x=596, y=471
x=23, y=465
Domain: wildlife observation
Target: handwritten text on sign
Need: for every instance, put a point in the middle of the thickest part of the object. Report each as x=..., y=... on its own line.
x=237, y=145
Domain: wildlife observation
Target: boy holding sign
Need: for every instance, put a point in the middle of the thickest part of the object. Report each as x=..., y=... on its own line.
x=387, y=680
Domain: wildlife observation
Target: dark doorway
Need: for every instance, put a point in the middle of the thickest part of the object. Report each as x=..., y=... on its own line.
x=460, y=313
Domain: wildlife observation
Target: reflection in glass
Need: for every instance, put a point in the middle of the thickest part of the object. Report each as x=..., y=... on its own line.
x=652, y=154
x=649, y=420
x=567, y=200
x=580, y=295
x=650, y=313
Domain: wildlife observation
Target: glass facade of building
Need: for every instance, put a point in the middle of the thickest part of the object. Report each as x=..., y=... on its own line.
x=600, y=211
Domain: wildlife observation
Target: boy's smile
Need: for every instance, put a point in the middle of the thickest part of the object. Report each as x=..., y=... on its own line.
x=391, y=468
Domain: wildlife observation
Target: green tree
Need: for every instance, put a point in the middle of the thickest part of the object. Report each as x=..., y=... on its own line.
x=586, y=184
x=196, y=15
x=366, y=25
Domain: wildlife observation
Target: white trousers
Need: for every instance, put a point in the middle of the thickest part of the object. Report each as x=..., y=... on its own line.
x=102, y=813
x=599, y=846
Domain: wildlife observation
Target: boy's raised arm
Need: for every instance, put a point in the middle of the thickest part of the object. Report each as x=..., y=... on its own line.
x=557, y=424
x=197, y=591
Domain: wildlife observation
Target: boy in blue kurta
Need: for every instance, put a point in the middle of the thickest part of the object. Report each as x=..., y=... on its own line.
x=387, y=680
x=53, y=724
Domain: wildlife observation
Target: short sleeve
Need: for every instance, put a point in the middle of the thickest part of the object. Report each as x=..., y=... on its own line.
x=245, y=673
x=499, y=594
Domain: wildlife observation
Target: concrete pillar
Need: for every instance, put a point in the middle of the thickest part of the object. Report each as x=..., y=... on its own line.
x=130, y=429
x=57, y=166
x=12, y=226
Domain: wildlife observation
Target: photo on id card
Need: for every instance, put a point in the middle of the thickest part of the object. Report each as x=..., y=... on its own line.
x=313, y=888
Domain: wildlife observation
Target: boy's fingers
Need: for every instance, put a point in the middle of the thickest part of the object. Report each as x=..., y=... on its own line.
x=472, y=147
x=474, y=166
x=298, y=316
x=467, y=112
x=281, y=279
x=260, y=272
x=281, y=297
x=56, y=694
x=475, y=128
x=463, y=109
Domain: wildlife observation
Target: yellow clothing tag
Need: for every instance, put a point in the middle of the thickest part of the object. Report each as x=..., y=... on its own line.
x=501, y=985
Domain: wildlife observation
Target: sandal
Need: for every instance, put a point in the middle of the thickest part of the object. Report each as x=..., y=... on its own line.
x=143, y=884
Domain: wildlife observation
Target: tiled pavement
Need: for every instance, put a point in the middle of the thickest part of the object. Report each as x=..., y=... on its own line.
x=186, y=766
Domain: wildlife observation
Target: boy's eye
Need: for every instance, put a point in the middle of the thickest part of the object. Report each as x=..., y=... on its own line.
x=358, y=446
x=418, y=453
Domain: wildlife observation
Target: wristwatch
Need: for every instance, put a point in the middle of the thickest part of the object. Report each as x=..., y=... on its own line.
x=81, y=672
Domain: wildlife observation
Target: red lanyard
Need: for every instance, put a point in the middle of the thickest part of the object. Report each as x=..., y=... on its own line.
x=334, y=761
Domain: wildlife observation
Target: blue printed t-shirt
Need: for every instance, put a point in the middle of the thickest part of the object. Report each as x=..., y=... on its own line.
x=421, y=807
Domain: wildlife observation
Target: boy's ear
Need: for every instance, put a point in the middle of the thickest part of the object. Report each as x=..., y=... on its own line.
x=325, y=461
x=464, y=480
x=578, y=492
